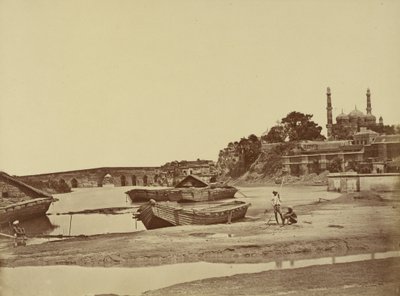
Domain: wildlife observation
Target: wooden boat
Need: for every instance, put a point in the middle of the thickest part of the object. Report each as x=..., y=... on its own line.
x=24, y=210
x=164, y=194
x=162, y=214
x=20, y=201
x=190, y=189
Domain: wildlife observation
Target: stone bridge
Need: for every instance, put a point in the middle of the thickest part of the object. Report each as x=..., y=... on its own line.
x=98, y=177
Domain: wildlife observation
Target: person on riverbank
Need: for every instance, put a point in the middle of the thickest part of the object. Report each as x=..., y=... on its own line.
x=290, y=216
x=276, y=204
x=19, y=234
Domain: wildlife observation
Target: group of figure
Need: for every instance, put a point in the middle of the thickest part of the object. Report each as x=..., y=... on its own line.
x=289, y=217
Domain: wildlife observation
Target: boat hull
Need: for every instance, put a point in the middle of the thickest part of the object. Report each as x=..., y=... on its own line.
x=155, y=194
x=157, y=215
x=207, y=194
x=182, y=194
x=24, y=210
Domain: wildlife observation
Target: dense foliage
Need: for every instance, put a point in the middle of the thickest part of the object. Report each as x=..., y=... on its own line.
x=386, y=129
x=335, y=165
x=237, y=158
x=340, y=132
x=296, y=126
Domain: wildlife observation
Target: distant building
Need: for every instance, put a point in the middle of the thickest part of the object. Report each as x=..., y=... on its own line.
x=175, y=171
x=315, y=156
x=367, y=152
x=370, y=153
x=354, y=121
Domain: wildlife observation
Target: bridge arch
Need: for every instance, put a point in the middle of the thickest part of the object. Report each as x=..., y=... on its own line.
x=145, y=180
x=106, y=180
x=123, y=180
x=74, y=183
x=133, y=180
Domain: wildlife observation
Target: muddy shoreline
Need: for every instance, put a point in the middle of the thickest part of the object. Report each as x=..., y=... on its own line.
x=360, y=223
x=327, y=228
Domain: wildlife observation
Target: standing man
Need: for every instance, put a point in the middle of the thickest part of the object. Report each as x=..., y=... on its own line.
x=276, y=203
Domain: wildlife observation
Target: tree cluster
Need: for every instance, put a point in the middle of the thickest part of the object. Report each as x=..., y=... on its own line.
x=386, y=129
x=237, y=158
x=341, y=132
x=296, y=126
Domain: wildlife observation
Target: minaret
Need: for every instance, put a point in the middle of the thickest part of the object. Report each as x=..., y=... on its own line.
x=329, y=113
x=380, y=120
x=369, y=108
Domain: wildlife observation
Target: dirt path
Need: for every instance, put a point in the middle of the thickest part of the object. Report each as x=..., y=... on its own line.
x=345, y=226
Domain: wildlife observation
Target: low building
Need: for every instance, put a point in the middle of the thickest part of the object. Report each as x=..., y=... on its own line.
x=368, y=153
x=316, y=156
x=174, y=172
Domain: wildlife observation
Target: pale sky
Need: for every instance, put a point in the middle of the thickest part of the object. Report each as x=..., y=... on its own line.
x=138, y=83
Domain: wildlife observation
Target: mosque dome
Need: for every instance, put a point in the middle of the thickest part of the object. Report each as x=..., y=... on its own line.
x=370, y=117
x=356, y=114
x=342, y=116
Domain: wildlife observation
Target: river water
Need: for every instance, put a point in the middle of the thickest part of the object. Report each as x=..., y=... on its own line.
x=75, y=280
x=57, y=222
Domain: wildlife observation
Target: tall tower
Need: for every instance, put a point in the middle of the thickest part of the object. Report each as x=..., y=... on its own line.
x=329, y=113
x=369, y=108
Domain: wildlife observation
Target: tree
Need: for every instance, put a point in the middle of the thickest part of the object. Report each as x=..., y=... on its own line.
x=299, y=126
x=353, y=166
x=340, y=132
x=385, y=129
x=239, y=156
x=397, y=129
x=335, y=165
x=275, y=135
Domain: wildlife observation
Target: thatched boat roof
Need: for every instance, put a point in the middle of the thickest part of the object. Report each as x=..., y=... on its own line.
x=191, y=181
x=29, y=190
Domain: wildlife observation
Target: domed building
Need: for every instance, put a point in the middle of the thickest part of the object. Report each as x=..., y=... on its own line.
x=342, y=118
x=353, y=121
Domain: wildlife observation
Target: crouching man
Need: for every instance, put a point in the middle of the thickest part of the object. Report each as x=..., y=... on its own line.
x=290, y=216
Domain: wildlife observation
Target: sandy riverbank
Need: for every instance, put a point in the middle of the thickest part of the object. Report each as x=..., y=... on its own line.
x=349, y=224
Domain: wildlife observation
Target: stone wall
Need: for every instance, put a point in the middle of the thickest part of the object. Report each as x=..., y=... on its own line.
x=351, y=181
x=380, y=182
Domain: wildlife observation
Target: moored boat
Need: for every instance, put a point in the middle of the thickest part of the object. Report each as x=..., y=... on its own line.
x=190, y=189
x=162, y=214
x=20, y=201
x=24, y=210
x=163, y=194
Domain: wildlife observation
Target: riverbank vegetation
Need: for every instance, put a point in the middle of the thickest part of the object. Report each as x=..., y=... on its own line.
x=246, y=160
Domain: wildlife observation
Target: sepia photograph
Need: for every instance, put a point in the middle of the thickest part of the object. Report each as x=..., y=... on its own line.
x=199, y=147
